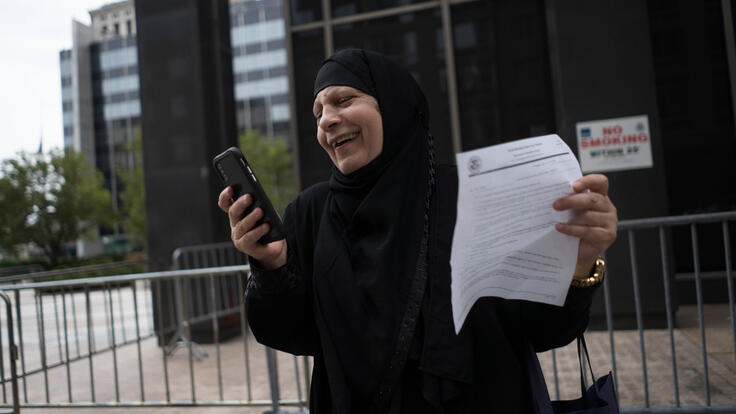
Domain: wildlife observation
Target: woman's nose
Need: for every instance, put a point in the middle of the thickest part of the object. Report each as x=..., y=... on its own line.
x=329, y=118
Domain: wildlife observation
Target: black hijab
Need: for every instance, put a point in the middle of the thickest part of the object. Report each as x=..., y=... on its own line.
x=371, y=229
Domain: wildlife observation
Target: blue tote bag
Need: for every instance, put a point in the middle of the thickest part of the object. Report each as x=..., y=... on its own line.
x=600, y=398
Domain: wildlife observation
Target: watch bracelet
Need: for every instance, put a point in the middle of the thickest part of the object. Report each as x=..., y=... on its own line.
x=596, y=275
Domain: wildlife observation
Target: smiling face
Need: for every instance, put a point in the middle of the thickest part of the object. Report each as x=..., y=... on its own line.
x=349, y=126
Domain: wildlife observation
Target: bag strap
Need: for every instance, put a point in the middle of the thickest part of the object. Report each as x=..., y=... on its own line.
x=540, y=395
x=582, y=347
x=541, y=403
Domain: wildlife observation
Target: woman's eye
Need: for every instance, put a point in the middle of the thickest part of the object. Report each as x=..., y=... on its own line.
x=344, y=99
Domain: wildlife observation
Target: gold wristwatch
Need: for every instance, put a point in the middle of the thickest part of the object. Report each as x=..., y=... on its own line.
x=596, y=275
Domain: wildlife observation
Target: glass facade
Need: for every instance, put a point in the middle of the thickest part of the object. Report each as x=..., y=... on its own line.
x=114, y=57
x=261, y=86
x=500, y=65
x=116, y=106
x=694, y=100
x=399, y=37
x=308, y=54
x=343, y=8
x=501, y=69
x=305, y=11
x=696, y=117
x=259, y=67
x=67, y=105
x=504, y=92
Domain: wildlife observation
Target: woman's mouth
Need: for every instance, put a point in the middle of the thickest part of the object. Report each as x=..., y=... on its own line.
x=346, y=138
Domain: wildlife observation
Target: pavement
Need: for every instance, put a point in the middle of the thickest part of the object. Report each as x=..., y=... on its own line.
x=240, y=373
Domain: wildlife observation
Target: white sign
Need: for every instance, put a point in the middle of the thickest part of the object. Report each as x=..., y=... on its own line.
x=614, y=144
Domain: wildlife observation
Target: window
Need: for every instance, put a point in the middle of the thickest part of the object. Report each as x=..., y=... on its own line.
x=342, y=8
x=505, y=92
x=104, y=29
x=129, y=27
x=423, y=59
x=691, y=74
x=111, y=59
x=117, y=28
x=309, y=52
x=305, y=11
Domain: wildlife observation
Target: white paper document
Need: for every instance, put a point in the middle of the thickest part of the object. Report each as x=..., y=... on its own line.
x=505, y=242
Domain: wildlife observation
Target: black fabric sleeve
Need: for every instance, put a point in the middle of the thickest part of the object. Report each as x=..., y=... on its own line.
x=278, y=310
x=278, y=302
x=285, y=279
x=549, y=326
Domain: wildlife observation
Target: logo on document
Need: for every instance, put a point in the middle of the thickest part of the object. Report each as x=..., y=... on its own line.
x=585, y=132
x=474, y=164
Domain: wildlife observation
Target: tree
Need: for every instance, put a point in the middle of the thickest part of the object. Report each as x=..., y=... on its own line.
x=270, y=159
x=133, y=195
x=14, y=208
x=54, y=198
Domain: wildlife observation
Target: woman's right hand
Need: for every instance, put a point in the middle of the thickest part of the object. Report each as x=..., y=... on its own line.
x=245, y=234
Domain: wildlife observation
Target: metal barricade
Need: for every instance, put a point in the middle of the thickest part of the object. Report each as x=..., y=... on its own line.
x=12, y=357
x=110, y=356
x=207, y=255
x=95, y=343
x=38, y=274
x=225, y=254
x=669, y=370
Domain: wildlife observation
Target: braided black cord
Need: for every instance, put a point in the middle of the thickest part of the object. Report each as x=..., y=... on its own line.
x=414, y=301
x=431, y=181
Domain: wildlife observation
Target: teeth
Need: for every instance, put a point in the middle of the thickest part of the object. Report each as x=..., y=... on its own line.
x=346, y=139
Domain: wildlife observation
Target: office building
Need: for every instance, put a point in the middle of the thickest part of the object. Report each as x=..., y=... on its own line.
x=100, y=84
x=259, y=66
x=498, y=70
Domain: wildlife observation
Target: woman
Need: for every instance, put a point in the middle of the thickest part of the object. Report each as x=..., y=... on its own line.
x=362, y=281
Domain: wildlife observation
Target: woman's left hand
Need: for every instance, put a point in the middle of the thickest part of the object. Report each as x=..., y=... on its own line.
x=595, y=221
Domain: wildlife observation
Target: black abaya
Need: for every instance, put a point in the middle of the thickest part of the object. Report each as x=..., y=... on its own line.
x=481, y=370
x=354, y=246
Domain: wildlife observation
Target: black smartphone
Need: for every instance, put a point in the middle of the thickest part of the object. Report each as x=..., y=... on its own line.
x=234, y=171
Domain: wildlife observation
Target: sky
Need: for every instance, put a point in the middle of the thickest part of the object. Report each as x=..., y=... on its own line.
x=31, y=35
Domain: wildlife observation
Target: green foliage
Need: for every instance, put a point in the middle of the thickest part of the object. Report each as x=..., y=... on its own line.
x=270, y=159
x=28, y=262
x=133, y=195
x=14, y=207
x=50, y=199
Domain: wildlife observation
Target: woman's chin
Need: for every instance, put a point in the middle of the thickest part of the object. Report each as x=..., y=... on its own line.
x=347, y=165
x=346, y=169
